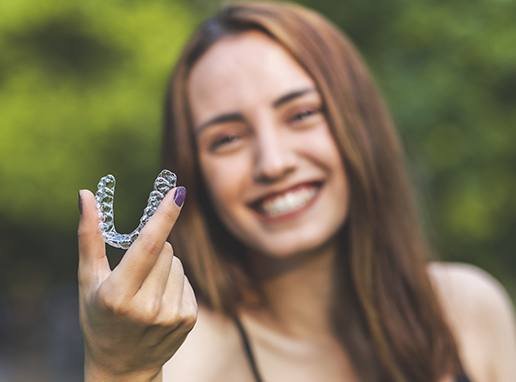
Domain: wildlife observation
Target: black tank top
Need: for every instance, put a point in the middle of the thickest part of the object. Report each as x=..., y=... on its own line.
x=254, y=367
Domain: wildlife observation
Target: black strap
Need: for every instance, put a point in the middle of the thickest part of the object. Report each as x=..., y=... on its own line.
x=248, y=350
x=462, y=378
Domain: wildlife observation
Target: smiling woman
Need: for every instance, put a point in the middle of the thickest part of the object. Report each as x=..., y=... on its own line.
x=300, y=236
x=276, y=178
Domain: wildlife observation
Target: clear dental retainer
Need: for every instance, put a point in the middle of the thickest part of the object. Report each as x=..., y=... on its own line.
x=105, y=197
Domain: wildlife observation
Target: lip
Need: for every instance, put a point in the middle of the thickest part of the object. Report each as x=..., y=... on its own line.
x=256, y=203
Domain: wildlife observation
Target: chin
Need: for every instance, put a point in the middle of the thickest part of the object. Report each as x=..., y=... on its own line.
x=283, y=248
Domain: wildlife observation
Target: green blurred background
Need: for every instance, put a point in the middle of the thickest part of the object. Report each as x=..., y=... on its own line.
x=81, y=95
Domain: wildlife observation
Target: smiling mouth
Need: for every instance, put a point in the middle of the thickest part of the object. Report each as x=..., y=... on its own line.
x=289, y=202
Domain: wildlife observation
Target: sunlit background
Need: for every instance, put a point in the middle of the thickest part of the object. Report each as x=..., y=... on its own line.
x=81, y=95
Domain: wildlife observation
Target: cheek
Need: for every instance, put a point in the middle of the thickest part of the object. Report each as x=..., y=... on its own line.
x=324, y=150
x=225, y=178
x=321, y=147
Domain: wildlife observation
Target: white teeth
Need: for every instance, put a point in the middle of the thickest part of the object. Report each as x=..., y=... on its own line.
x=288, y=202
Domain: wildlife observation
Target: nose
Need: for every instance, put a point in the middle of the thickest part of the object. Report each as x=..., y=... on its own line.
x=275, y=160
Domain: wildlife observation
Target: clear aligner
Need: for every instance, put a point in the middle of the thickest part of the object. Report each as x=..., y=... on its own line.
x=105, y=198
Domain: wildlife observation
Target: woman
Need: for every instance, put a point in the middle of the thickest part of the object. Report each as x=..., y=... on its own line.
x=299, y=237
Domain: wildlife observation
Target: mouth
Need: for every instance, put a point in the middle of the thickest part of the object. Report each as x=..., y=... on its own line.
x=287, y=203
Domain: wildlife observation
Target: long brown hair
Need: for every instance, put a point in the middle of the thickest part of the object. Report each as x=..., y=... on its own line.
x=385, y=312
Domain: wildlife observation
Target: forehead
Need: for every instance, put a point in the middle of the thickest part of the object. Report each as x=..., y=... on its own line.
x=242, y=72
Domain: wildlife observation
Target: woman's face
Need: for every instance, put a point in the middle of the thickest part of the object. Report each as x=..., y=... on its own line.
x=268, y=158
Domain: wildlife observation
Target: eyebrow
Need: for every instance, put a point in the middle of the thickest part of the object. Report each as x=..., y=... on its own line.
x=291, y=96
x=238, y=117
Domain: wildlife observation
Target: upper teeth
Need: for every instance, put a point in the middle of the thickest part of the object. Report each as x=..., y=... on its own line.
x=288, y=201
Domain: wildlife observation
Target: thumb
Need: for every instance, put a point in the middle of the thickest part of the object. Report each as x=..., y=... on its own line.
x=93, y=263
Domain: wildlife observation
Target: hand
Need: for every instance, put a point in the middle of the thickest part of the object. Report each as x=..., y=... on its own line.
x=136, y=316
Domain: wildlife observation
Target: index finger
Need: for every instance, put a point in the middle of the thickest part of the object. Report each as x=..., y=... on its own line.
x=93, y=263
x=143, y=253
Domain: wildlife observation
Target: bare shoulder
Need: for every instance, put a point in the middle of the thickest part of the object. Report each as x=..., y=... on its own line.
x=469, y=289
x=207, y=351
x=481, y=315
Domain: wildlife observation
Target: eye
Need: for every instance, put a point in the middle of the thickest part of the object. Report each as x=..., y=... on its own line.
x=303, y=115
x=223, y=141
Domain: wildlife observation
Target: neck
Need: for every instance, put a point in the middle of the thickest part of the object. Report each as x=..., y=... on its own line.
x=298, y=291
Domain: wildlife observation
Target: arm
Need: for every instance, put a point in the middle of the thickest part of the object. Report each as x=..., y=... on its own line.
x=496, y=321
x=481, y=316
x=94, y=374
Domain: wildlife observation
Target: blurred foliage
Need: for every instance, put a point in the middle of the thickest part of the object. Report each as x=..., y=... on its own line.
x=81, y=94
x=81, y=88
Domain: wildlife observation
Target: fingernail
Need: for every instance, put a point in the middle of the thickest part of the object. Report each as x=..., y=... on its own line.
x=80, y=202
x=180, y=195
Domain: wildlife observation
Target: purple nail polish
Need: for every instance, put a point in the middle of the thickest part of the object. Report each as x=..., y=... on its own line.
x=180, y=195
